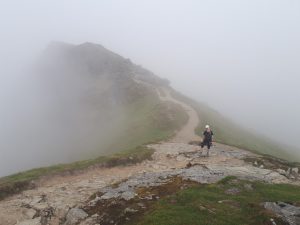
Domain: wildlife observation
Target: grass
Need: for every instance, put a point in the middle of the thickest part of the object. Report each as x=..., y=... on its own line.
x=18, y=182
x=147, y=120
x=227, y=132
x=209, y=204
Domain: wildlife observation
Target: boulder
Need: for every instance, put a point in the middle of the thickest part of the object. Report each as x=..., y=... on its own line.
x=130, y=211
x=29, y=213
x=75, y=215
x=295, y=170
x=281, y=172
x=289, y=213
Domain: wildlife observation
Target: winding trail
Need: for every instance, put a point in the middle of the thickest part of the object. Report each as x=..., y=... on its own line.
x=187, y=133
x=61, y=193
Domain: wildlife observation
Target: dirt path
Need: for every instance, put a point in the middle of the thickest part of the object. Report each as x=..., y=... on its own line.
x=187, y=133
x=51, y=201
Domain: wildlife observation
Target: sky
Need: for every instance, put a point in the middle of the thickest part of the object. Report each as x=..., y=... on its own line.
x=242, y=57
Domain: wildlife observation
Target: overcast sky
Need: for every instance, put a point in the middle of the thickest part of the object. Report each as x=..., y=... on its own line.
x=240, y=56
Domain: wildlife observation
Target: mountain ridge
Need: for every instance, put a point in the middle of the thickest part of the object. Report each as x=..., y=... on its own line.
x=156, y=156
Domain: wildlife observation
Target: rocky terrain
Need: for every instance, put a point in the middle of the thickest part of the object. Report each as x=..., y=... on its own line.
x=119, y=195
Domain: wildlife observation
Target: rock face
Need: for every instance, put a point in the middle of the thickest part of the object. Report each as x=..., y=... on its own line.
x=289, y=213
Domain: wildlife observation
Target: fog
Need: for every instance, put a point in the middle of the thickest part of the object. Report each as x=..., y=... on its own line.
x=241, y=57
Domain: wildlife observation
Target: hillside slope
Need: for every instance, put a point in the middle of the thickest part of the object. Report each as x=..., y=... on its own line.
x=98, y=102
x=230, y=133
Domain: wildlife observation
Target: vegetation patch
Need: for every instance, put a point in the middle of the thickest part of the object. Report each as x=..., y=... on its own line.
x=211, y=204
x=147, y=120
x=119, y=211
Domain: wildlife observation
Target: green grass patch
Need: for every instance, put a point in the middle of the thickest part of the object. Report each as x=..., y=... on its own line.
x=18, y=182
x=147, y=120
x=210, y=204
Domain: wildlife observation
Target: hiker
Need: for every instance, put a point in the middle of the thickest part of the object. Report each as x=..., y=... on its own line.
x=207, y=138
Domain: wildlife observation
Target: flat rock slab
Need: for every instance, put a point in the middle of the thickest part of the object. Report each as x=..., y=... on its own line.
x=202, y=174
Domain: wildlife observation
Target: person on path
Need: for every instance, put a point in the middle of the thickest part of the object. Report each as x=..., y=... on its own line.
x=207, y=138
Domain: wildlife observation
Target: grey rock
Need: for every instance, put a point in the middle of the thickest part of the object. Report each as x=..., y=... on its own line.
x=29, y=213
x=88, y=221
x=95, y=216
x=36, y=221
x=248, y=187
x=273, y=221
x=94, y=201
x=295, y=170
x=41, y=206
x=75, y=215
x=180, y=158
x=127, y=195
x=141, y=205
x=232, y=191
x=289, y=213
x=130, y=211
x=36, y=200
x=281, y=171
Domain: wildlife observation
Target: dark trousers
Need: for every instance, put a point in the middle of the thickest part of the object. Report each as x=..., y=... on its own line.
x=205, y=143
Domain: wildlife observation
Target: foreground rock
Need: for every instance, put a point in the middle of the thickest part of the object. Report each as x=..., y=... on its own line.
x=289, y=213
x=74, y=216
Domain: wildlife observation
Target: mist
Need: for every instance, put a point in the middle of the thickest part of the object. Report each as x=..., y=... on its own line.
x=240, y=57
